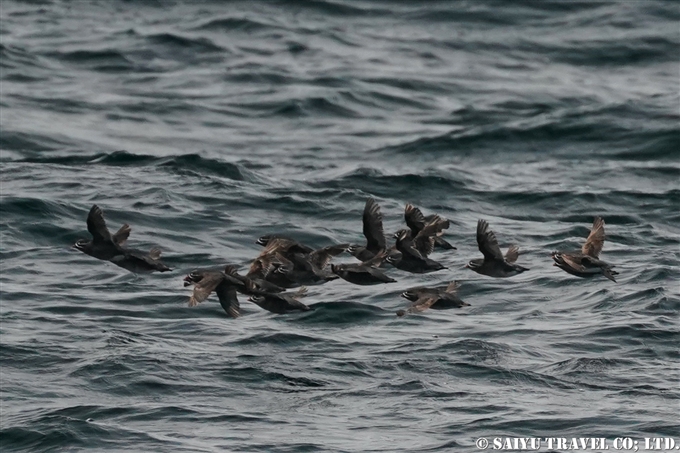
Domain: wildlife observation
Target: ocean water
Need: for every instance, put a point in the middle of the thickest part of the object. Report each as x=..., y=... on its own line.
x=207, y=124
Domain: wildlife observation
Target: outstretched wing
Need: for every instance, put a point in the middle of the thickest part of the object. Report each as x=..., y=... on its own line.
x=121, y=236
x=425, y=239
x=373, y=226
x=512, y=254
x=487, y=242
x=228, y=299
x=96, y=225
x=595, y=241
x=321, y=257
x=414, y=218
x=423, y=303
x=452, y=287
x=206, y=286
x=155, y=253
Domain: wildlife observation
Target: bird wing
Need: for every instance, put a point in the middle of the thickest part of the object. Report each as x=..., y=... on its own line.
x=373, y=226
x=452, y=287
x=232, y=270
x=595, y=241
x=300, y=293
x=321, y=257
x=512, y=254
x=203, y=288
x=414, y=218
x=228, y=299
x=257, y=268
x=155, y=253
x=121, y=236
x=487, y=242
x=423, y=303
x=96, y=225
x=425, y=239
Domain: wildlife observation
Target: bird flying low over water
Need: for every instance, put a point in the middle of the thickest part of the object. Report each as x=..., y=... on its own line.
x=494, y=264
x=366, y=273
x=411, y=254
x=108, y=247
x=587, y=263
x=416, y=221
x=441, y=298
x=279, y=303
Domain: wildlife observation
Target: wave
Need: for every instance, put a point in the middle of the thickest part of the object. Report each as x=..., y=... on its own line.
x=183, y=163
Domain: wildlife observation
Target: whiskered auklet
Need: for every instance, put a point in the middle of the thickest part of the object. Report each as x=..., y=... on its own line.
x=105, y=246
x=279, y=303
x=437, y=298
x=586, y=263
x=409, y=258
x=416, y=221
x=299, y=270
x=494, y=264
x=366, y=273
x=373, y=231
x=206, y=281
x=424, y=241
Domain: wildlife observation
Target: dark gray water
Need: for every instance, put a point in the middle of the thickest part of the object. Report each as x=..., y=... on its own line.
x=205, y=125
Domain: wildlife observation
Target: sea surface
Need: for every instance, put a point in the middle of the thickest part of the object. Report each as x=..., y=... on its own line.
x=207, y=124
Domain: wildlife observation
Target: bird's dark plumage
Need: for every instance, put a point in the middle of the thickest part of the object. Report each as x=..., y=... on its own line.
x=279, y=303
x=366, y=273
x=494, y=264
x=108, y=247
x=441, y=298
x=587, y=263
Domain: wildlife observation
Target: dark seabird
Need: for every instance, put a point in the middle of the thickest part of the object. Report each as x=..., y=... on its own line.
x=373, y=231
x=494, y=264
x=424, y=241
x=586, y=263
x=437, y=298
x=409, y=258
x=206, y=281
x=279, y=303
x=366, y=273
x=416, y=221
x=299, y=270
x=105, y=246
x=413, y=265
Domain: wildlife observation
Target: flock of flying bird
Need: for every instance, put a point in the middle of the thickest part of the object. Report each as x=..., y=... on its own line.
x=286, y=263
